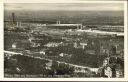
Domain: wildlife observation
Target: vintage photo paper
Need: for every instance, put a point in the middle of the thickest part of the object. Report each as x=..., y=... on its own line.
x=75, y=40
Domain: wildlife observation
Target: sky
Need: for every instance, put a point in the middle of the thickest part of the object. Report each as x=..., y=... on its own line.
x=66, y=6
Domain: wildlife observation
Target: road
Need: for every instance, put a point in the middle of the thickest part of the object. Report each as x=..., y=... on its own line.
x=73, y=65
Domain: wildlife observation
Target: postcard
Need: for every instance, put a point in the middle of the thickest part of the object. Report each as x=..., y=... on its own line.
x=64, y=40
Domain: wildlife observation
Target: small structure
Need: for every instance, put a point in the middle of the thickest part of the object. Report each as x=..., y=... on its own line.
x=53, y=44
x=48, y=65
x=108, y=72
x=14, y=45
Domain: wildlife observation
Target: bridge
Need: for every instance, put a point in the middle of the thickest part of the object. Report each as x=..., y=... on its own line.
x=102, y=32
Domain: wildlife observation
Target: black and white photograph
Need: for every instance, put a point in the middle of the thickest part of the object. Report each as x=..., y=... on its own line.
x=64, y=40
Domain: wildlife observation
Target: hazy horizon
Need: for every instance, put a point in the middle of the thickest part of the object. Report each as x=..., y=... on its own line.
x=65, y=6
x=86, y=13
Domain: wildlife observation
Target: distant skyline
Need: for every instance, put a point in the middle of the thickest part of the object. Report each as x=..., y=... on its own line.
x=66, y=6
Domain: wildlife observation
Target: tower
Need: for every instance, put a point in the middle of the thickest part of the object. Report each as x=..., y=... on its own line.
x=58, y=22
x=13, y=18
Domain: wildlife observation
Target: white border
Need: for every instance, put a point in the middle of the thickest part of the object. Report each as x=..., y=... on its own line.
x=126, y=39
x=63, y=79
x=65, y=1
x=1, y=40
